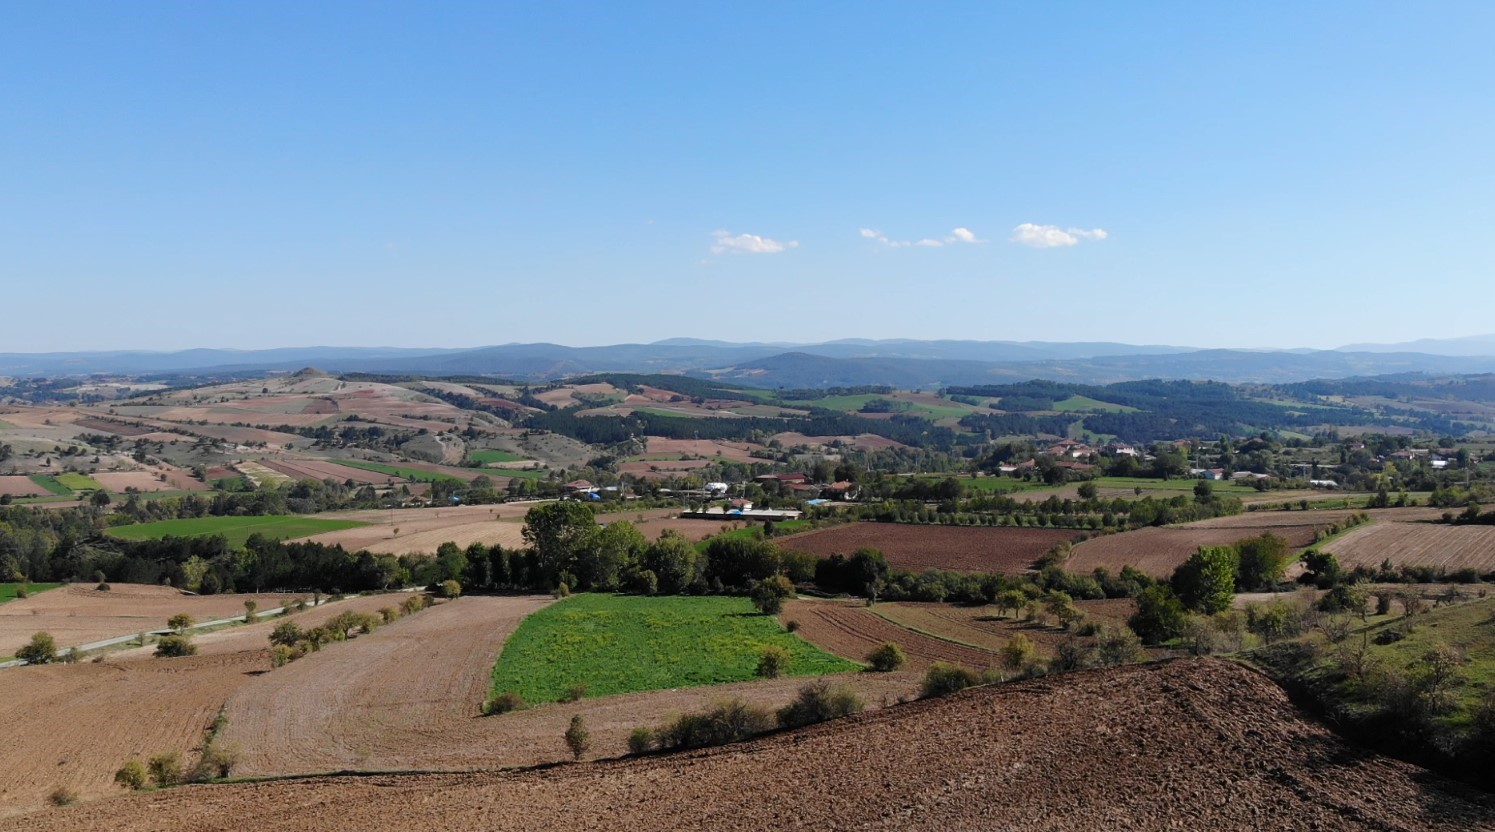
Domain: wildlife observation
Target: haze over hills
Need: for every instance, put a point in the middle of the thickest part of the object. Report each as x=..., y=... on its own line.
x=897, y=362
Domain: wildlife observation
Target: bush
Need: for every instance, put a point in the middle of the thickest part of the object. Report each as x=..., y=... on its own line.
x=640, y=740
x=131, y=775
x=773, y=662
x=286, y=634
x=1118, y=645
x=282, y=655
x=574, y=693
x=62, y=796
x=1018, y=653
x=792, y=625
x=769, y=594
x=175, y=646
x=449, y=589
x=217, y=762
x=388, y=614
x=578, y=738
x=562, y=590
x=180, y=622
x=943, y=678
x=42, y=649
x=729, y=721
x=415, y=603
x=103, y=587
x=886, y=658
x=165, y=768
x=503, y=703
x=818, y=702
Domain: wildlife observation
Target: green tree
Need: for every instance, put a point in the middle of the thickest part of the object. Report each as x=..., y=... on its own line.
x=674, y=561
x=1160, y=615
x=1205, y=582
x=614, y=551
x=1018, y=653
x=769, y=594
x=1261, y=561
x=451, y=563
x=558, y=532
x=180, y=622
x=42, y=649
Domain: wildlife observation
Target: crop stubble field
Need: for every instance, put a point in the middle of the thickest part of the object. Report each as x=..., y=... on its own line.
x=1201, y=744
x=964, y=548
x=1417, y=544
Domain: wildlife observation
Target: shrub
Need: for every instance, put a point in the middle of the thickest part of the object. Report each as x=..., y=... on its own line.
x=1118, y=645
x=22, y=592
x=250, y=605
x=42, y=649
x=943, y=678
x=165, y=768
x=792, y=625
x=413, y=604
x=768, y=595
x=103, y=587
x=818, y=702
x=175, y=646
x=180, y=622
x=640, y=740
x=62, y=796
x=131, y=775
x=773, y=662
x=574, y=693
x=449, y=589
x=286, y=634
x=388, y=614
x=503, y=703
x=578, y=738
x=886, y=658
x=561, y=590
x=282, y=655
x=729, y=721
x=1018, y=653
x=217, y=761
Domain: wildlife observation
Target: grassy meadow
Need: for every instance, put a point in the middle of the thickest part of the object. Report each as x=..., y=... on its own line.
x=236, y=530
x=622, y=643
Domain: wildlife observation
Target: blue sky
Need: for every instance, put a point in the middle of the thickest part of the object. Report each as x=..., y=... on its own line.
x=277, y=174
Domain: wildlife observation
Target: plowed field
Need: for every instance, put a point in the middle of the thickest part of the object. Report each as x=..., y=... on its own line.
x=964, y=548
x=74, y=725
x=79, y=614
x=854, y=631
x=983, y=627
x=1418, y=544
x=377, y=701
x=312, y=469
x=17, y=486
x=1198, y=744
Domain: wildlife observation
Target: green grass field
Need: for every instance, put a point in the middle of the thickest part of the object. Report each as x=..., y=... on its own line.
x=79, y=482
x=1174, y=485
x=622, y=643
x=235, y=529
x=489, y=457
x=1075, y=404
x=8, y=591
x=50, y=483
x=398, y=470
x=520, y=473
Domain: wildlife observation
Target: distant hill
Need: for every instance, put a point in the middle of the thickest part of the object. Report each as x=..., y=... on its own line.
x=851, y=362
x=1468, y=346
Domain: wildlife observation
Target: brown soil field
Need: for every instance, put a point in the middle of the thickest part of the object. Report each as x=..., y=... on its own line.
x=1159, y=550
x=79, y=614
x=118, y=481
x=982, y=627
x=965, y=548
x=1187, y=744
x=316, y=469
x=1268, y=520
x=368, y=703
x=865, y=441
x=74, y=725
x=105, y=426
x=661, y=468
x=1417, y=544
x=735, y=451
x=852, y=630
x=21, y=487
x=255, y=637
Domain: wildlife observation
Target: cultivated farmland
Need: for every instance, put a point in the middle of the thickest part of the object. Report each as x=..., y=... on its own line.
x=619, y=644
x=78, y=614
x=236, y=530
x=966, y=548
x=853, y=631
x=16, y=486
x=1198, y=743
x=1436, y=545
x=376, y=701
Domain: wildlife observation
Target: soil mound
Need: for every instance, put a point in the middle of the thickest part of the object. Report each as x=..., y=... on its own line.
x=1189, y=744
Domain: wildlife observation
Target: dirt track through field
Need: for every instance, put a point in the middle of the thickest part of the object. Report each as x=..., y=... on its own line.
x=375, y=701
x=1195, y=744
x=854, y=631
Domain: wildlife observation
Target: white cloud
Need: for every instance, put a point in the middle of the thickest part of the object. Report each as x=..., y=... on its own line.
x=959, y=235
x=729, y=243
x=1052, y=236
